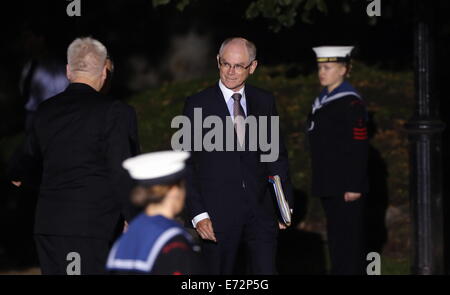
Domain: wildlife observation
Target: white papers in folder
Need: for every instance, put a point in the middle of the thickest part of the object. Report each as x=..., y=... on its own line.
x=283, y=205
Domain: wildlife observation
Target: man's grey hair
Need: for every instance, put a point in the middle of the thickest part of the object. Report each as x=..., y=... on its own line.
x=86, y=56
x=251, y=48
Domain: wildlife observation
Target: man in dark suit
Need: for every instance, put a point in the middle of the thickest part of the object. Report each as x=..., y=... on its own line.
x=228, y=196
x=80, y=137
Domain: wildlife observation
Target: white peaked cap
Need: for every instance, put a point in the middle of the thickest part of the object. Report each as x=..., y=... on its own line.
x=156, y=167
x=333, y=53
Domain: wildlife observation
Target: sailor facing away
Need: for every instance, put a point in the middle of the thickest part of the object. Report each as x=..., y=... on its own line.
x=338, y=140
x=154, y=242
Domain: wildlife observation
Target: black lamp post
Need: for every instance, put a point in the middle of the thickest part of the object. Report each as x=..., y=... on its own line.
x=425, y=130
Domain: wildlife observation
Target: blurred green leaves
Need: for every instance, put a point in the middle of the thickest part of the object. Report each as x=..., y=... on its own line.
x=279, y=13
x=180, y=4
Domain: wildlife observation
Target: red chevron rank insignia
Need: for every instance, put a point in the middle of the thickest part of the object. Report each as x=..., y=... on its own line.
x=360, y=133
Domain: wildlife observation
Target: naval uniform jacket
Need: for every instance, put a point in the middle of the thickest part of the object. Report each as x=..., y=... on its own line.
x=338, y=142
x=154, y=245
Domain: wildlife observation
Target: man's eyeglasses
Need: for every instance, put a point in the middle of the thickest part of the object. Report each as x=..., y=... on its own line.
x=238, y=68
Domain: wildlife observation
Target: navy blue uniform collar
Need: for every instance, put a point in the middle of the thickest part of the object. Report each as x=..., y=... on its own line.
x=343, y=87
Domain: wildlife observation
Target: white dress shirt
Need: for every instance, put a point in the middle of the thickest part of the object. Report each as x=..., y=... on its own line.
x=227, y=95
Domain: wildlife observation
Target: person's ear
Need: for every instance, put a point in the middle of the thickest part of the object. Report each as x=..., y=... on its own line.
x=253, y=66
x=68, y=75
x=218, y=61
x=343, y=70
x=109, y=65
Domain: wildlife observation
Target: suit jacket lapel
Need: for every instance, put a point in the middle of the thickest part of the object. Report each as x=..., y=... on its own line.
x=251, y=101
x=252, y=110
x=220, y=104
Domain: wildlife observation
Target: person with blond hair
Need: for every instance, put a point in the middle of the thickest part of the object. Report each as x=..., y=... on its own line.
x=79, y=139
x=338, y=137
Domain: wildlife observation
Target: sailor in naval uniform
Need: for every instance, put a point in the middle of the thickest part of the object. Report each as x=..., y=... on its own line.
x=338, y=140
x=154, y=242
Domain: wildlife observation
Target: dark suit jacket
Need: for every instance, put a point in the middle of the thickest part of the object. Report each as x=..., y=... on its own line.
x=81, y=138
x=224, y=183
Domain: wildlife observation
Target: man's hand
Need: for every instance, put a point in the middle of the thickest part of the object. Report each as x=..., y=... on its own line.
x=17, y=183
x=350, y=197
x=205, y=230
x=282, y=226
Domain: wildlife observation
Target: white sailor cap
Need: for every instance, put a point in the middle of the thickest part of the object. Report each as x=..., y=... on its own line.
x=333, y=53
x=157, y=167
